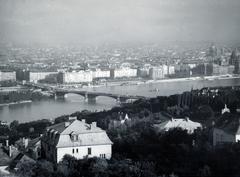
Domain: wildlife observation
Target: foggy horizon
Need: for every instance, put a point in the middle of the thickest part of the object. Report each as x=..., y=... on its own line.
x=112, y=21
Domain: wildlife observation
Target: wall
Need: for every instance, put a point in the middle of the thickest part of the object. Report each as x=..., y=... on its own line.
x=36, y=76
x=219, y=136
x=83, y=151
x=123, y=72
x=101, y=74
x=7, y=76
x=156, y=73
x=77, y=77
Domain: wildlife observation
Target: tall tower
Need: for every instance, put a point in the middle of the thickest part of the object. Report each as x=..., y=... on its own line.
x=212, y=52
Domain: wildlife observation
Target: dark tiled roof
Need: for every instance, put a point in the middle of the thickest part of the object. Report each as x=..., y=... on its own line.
x=60, y=127
x=33, y=142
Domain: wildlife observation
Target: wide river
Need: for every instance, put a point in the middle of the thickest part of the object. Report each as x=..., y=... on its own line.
x=52, y=108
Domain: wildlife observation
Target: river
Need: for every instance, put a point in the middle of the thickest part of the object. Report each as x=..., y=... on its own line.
x=52, y=108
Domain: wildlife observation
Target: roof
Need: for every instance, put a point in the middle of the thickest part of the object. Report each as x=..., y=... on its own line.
x=86, y=139
x=5, y=159
x=33, y=142
x=60, y=127
x=185, y=124
x=73, y=126
x=18, y=159
x=88, y=134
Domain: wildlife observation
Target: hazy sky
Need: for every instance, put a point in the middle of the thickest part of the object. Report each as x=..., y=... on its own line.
x=80, y=21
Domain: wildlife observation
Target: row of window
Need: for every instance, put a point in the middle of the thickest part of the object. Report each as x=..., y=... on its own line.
x=103, y=156
x=89, y=151
x=74, y=137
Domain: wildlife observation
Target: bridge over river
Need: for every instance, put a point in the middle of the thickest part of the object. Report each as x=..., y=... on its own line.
x=92, y=96
x=89, y=96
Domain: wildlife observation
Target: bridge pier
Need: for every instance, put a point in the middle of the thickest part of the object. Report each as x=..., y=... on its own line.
x=59, y=95
x=90, y=98
x=86, y=97
x=121, y=99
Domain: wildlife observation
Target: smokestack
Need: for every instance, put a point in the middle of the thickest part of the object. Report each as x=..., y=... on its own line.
x=94, y=124
x=25, y=142
x=7, y=143
x=10, y=151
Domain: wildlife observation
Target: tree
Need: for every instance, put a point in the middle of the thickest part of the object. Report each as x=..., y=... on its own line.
x=14, y=124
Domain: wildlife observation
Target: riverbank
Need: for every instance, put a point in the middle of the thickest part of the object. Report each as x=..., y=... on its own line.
x=17, y=102
x=48, y=108
x=144, y=81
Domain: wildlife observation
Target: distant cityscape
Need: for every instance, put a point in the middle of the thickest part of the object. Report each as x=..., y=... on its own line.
x=98, y=65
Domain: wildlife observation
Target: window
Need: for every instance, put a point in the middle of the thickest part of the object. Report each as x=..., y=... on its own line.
x=52, y=135
x=103, y=156
x=89, y=151
x=77, y=150
x=73, y=151
x=74, y=137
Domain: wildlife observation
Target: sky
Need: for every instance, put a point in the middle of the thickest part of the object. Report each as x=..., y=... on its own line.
x=103, y=21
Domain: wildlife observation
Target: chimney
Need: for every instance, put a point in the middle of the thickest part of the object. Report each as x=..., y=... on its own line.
x=83, y=120
x=67, y=124
x=94, y=124
x=26, y=143
x=187, y=119
x=10, y=151
x=7, y=143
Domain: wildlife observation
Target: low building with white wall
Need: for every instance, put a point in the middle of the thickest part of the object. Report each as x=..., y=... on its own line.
x=98, y=73
x=75, y=77
x=37, y=76
x=75, y=138
x=123, y=72
x=7, y=75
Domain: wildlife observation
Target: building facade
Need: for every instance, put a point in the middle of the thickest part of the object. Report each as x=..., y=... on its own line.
x=156, y=73
x=37, y=76
x=222, y=137
x=8, y=75
x=98, y=73
x=123, y=72
x=75, y=77
x=75, y=138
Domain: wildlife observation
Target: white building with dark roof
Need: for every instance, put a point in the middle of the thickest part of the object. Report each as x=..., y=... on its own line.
x=75, y=138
